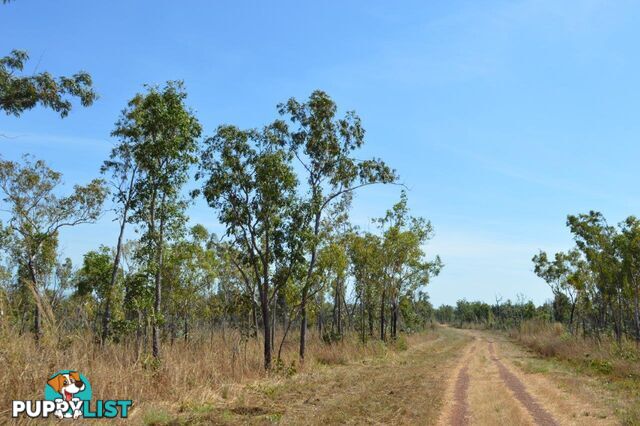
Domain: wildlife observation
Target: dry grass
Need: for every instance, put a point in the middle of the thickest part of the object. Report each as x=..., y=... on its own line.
x=601, y=356
x=191, y=374
x=398, y=386
x=600, y=369
x=492, y=401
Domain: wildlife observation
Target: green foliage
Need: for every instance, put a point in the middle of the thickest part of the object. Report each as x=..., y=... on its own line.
x=597, y=284
x=502, y=315
x=38, y=213
x=324, y=145
x=251, y=184
x=95, y=274
x=286, y=370
x=158, y=134
x=21, y=93
x=401, y=343
x=330, y=336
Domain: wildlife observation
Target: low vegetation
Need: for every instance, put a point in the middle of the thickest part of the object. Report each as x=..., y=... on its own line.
x=204, y=370
x=605, y=356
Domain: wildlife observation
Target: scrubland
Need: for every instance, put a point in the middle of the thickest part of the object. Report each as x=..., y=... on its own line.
x=190, y=374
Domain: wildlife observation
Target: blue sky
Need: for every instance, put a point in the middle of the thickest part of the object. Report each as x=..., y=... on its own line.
x=502, y=117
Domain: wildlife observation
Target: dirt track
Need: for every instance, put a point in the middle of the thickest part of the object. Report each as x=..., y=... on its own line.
x=487, y=388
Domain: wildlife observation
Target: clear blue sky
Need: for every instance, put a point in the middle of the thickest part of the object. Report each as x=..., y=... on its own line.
x=501, y=116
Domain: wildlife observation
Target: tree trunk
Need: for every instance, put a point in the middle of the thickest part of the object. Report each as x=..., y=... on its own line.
x=266, y=326
x=273, y=320
x=155, y=342
x=370, y=312
x=106, y=319
x=636, y=312
x=382, y=300
x=139, y=335
x=339, y=301
x=362, y=325
x=303, y=324
x=37, y=329
x=186, y=328
x=306, y=287
x=254, y=314
x=573, y=308
x=394, y=320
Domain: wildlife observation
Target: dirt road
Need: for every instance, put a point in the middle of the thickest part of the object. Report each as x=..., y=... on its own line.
x=446, y=377
x=488, y=389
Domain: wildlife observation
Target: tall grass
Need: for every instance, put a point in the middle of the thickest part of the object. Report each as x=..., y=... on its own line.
x=197, y=371
x=603, y=355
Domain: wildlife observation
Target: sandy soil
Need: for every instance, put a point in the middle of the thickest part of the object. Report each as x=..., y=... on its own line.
x=498, y=392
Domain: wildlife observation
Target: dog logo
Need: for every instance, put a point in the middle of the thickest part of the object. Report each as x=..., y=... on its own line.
x=71, y=387
x=67, y=395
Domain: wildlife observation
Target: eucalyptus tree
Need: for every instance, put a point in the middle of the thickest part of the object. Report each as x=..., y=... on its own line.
x=628, y=243
x=21, y=93
x=325, y=147
x=37, y=214
x=94, y=278
x=405, y=265
x=123, y=168
x=190, y=271
x=595, y=238
x=567, y=275
x=250, y=182
x=366, y=259
x=161, y=133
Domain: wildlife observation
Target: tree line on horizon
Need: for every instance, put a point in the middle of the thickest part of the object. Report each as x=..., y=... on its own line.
x=595, y=285
x=289, y=256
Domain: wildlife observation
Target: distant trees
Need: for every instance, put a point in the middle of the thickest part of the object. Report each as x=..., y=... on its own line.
x=37, y=214
x=565, y=276
x=405, y=268
x=598, y=278
x=502, y=315
x=93, y=280
x=190, y=272
x=366, y=259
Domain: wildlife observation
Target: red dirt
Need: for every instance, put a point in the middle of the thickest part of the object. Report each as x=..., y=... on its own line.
x=539, y=414
x=460, y=414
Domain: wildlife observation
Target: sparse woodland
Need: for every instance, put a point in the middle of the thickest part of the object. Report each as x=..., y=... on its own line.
x=289, y=280
x=289, y=260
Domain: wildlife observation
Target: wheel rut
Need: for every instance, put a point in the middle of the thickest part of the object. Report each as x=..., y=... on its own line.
x=540, y=415
x=460, y=414
x=484, y=391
